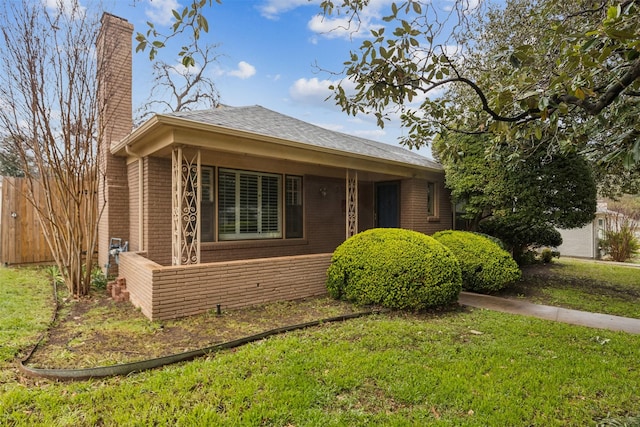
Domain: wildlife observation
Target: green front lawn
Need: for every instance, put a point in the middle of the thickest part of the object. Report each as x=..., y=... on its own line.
x=460, y=367
x=26, y=307
x=582, y=285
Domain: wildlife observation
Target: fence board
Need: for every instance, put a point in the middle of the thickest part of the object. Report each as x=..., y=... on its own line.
x=21, y=235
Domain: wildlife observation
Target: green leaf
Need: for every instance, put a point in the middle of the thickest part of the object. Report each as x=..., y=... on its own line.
x=529, y=94
x=188, y=61
x=563, y=108
x=613, y=12
x=514, y=61
x=538, y=133
x=587, y=45
x=203, y=24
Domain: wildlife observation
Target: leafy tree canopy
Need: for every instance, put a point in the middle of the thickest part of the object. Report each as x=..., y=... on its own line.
x=567, y=70
x=558, y=189
x=627, y=205
x=520, y=238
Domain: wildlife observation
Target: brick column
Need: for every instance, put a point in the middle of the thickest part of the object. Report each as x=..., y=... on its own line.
x=114, y=47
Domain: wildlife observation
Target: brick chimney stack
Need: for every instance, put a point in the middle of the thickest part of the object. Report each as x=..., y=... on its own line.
x=114, y=50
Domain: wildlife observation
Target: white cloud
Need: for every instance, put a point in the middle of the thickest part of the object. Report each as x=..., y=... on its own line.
x=310, y=91
x=370, y=133
x=315, y=91
x=338, y=25
x=159, y=11
x=333, y=28
x=271, y=9
x=244, y=70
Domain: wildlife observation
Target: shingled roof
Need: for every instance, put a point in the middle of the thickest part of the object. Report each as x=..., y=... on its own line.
x=262, y=121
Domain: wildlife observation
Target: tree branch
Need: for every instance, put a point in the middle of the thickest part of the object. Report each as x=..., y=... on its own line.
x=483, y=99
x=607, y=98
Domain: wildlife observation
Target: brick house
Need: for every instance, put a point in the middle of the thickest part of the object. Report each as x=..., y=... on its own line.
x=238, y=206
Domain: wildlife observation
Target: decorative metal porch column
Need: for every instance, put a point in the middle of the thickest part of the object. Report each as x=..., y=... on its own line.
x=352, y=203
x=186, y=190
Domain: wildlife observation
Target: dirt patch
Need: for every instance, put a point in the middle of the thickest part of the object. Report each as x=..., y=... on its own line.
x=97, y=331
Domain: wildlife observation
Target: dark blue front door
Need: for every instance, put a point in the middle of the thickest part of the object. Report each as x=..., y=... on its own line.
x=387, y=204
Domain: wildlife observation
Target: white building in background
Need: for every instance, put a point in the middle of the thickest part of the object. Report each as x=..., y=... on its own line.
x=584, y=242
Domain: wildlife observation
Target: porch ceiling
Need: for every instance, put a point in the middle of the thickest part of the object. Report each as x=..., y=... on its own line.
x=161, y=133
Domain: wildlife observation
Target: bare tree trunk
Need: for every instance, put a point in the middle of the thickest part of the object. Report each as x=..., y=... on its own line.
x=48, y=91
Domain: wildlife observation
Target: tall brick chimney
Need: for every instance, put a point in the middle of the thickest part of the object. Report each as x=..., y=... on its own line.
x=114, y=49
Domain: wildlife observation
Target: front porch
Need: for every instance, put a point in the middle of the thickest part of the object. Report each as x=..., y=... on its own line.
x=188, y=187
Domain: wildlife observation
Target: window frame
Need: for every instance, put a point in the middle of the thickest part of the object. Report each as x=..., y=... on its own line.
x=258, y=201
x=432, y=199
x=296, y=197
x=208, y=186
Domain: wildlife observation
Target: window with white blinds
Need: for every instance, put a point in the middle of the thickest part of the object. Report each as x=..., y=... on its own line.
x=206, y=205
x=249, y=205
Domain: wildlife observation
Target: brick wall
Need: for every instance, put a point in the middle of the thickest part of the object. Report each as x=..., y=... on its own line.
x=138, y=271
x=366, y=205
x=445, y=208
x=176, y=291
x=134, y=204
x=325, y=217
x=413, y=211
x=114, y=96
x=157, y=209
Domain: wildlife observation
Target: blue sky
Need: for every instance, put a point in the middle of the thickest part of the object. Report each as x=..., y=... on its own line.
x=270, y=51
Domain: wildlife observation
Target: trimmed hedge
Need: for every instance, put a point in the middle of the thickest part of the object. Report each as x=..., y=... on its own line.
x=394, y=268
x=485, y=266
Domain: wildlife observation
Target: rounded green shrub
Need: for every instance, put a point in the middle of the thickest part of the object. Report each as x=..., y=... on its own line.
x=486, y=267
x=394, y=268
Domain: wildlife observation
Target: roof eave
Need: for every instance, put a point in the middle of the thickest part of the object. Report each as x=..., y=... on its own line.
x=159, y=124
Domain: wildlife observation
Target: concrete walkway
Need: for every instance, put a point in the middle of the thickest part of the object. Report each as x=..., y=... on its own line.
x=573, y=317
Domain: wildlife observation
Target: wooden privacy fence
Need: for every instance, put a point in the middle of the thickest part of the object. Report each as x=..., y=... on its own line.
x=22, y=239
